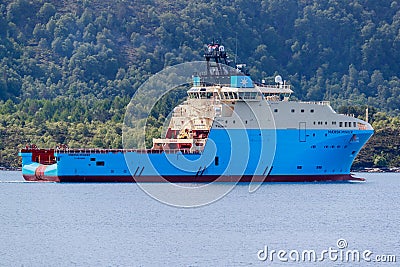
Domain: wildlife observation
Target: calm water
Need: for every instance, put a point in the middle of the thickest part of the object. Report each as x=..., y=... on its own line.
x=48, y=224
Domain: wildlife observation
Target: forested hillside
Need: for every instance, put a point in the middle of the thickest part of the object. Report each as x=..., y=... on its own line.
x=78, y=62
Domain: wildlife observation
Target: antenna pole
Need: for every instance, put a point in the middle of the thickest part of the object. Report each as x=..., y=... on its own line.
x=236, y=50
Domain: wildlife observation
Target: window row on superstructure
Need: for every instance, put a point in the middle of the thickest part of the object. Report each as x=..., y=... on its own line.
x=225, y=95
x=293, y=110
x=345, y=124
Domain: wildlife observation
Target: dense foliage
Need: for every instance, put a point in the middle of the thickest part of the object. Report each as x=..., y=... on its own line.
x=65, y=65
x=328, y=49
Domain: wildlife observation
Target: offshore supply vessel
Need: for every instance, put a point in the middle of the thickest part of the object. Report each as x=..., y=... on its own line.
x=229, y=129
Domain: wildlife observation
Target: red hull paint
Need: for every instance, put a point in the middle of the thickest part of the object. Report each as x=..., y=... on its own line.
x=193, y=179
x=34, y=178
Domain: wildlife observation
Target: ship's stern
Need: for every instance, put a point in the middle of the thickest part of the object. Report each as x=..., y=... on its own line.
x=39, y=165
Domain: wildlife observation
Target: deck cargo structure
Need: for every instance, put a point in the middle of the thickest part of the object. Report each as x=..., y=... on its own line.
x=227, y=131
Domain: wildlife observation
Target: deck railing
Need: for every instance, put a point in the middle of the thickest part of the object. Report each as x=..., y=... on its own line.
x=105, y=151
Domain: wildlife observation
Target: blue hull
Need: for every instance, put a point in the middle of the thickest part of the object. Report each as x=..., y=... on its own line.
x=266, y=155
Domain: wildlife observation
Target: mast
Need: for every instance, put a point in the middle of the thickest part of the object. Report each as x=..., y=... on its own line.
x=215, y=54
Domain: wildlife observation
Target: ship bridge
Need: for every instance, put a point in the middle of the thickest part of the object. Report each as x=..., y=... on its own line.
x=241, y=88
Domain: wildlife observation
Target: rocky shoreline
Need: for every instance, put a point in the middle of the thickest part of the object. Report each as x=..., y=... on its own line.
x=378, y=169
x=10, y=168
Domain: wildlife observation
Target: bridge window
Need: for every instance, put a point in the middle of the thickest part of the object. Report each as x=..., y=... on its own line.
x=99, y=163
x=299, y=167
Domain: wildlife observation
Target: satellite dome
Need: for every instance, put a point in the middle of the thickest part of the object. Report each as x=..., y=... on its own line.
x=278, y=79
